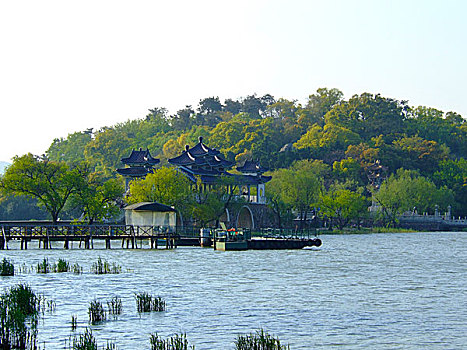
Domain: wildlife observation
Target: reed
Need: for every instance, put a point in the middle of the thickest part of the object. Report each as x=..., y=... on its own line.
x=46, y=304
x=96, y=312
x=261, y=340
x=76, y=269
x=61, y=266
x=114, y=306
x=145, y=302
x=19, y=309
x=74, y=322
x=103, y=267
x=85, y=341
x=176, y=342
x=7, y=268
x=44, y=266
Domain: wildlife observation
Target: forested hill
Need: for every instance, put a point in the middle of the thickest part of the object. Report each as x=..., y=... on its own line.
x=348, y=135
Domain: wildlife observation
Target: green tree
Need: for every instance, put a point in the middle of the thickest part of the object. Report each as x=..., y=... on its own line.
x=343, y=205
x=453, y=174
x=369, y=115
x=418, y=153
x=166, y=186
x=71, y=149
x=297, y=187
x=276, y=188
x=213, y=200
x=348, y=169
x=51, y=183
x=21, y=208
x=317, y=106
x=406, y=190
x=96, y=197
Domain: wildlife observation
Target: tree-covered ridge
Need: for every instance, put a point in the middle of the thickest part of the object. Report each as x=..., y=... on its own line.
x=347, y=135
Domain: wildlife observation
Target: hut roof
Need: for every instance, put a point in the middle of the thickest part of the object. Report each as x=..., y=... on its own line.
x=149, y=206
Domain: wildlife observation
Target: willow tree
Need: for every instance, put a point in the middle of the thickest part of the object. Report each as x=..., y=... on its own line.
x=298, y=187
x=407, y=190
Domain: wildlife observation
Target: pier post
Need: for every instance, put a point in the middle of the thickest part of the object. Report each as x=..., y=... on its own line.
x=107, y=243
x=65, y=243
x=2, y=243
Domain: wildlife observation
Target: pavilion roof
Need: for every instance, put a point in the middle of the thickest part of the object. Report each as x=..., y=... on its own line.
x=201, y=155
x=252, y=167
x=140, y=157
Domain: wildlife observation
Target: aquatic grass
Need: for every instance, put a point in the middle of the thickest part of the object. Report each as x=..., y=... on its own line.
x=102, y=267
x=44, y=266
x=74, y=322
x=145, y=302
x=61, y=266
x=76, y=269
x=176, y=342
x=96, y=312
x=87, y=341
x=19, y=309
x=114, y=306
x=261, y=340
x=7, y=268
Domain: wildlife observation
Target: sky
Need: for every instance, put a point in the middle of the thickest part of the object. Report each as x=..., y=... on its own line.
x=66, y=66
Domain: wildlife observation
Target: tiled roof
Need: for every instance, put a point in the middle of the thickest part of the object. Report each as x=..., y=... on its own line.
x=140, y=157
x=200, y=154
x=251, y=167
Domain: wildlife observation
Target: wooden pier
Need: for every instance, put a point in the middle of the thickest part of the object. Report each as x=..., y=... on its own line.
x=44, y=234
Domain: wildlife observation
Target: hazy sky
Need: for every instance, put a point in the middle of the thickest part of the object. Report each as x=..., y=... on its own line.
x=66, y=66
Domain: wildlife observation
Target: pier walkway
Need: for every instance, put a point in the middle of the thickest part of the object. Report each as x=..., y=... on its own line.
x=86, y=235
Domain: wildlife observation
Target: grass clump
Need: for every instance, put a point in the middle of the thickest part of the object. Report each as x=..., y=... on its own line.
x=176, y=342
x=96, y=312
x=76, y=269
x=19, y=310
x=61, y=266
x=114, y=306
x=261, y=340
x=86, y=341
x=7, y=268
x=103, y=267
x=145, y=302
x=44, y=266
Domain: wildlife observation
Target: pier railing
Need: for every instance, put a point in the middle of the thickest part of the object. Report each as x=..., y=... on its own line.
x=46, y=233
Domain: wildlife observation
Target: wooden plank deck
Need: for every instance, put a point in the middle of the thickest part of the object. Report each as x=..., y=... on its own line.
x=86, y=234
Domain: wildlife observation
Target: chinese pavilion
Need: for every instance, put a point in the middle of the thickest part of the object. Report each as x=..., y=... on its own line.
x=208, y=164
x=138, y=165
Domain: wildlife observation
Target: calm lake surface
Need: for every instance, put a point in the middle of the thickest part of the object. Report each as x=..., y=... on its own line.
x=378, y=291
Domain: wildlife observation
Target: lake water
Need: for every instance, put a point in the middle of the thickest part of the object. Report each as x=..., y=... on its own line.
x=379, y=291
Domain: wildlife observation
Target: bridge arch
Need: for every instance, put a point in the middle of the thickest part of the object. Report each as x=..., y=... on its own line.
x=225, y=217
x=245, y=218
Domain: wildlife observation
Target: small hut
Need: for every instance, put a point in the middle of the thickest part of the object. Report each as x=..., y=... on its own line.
x=151, y=214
